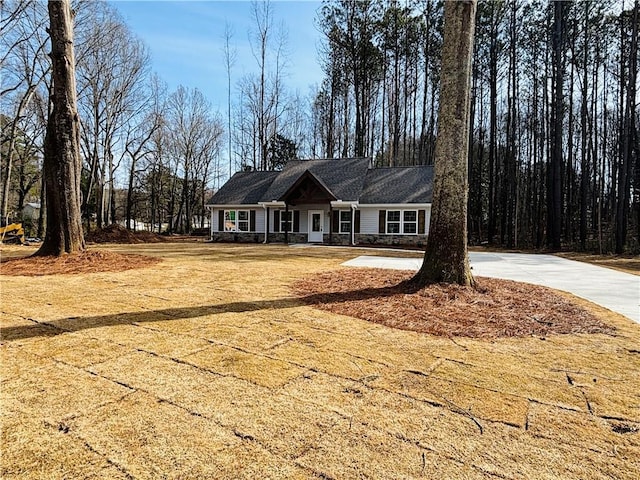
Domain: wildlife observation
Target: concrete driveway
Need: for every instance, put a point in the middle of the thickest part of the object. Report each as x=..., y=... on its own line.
x=612, y=289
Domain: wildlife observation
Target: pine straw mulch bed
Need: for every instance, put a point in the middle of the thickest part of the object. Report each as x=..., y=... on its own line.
x=92, y=261
x=495, y=308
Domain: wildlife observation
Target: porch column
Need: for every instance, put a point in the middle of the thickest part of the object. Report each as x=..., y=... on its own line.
x=266, y=224
x=330, y=224
x=353, y=224
x=210, y=224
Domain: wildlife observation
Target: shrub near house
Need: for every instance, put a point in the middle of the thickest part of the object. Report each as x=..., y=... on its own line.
x=330, y=201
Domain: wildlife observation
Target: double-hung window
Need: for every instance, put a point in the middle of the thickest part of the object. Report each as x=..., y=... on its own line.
x=286, y=220
x=410, y=222
x=345, y=221
x=236, y=220
x=393, y=221
x=404, y=222
x=243, y=220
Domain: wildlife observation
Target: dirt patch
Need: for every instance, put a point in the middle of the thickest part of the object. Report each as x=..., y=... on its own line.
x=496, y=308
x=87, y=262
x=622, y=263
x=118, y=234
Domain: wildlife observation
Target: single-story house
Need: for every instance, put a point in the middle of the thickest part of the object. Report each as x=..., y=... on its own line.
x=330, y=201
x=31, y=211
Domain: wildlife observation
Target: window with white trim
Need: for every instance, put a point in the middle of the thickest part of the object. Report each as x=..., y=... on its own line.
x=230, y=220
x=286, y=220
x=236, y=220
x=393, y=221
x=243, y=220
x=410, y=222
x=402, y=222
x=345, y=221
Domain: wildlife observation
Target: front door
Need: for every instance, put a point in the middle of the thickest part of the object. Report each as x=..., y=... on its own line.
x=316, y=222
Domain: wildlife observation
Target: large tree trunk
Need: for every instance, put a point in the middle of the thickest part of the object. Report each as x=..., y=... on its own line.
x=446, y=258
x=493, y=124
x=62, y=142
x=554, y=200
x=628, y=113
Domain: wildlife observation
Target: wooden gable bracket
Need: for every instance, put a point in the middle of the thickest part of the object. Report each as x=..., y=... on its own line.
x=307, y=189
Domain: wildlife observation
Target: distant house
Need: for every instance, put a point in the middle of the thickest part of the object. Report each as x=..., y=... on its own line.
x=337, y=202
x=31, y=211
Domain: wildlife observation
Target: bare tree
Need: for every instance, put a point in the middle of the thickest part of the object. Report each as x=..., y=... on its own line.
x=113, y=67
x=138, y=143
x=25, y=69
x=554, y=176
x=230, y=56
x=628, y=130
x=263, y=16
x=263, y=94
x=61, y=151
x=193, y=141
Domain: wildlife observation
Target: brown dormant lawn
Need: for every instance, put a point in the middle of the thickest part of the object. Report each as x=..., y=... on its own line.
x=206, y=364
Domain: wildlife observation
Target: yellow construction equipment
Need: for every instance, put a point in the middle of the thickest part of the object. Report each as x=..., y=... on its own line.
x=12, y=233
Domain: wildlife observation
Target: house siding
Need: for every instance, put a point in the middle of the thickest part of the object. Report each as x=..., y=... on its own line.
x=369, y=220
x=259, y=213
x=304, y=218
x=368, y=235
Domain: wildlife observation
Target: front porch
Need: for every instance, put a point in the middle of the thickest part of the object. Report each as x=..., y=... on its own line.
x=313, y=211
x=284, y=223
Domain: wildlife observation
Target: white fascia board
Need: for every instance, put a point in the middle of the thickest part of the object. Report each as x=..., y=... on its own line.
x=273, y=203
x=233, y=207
x=341, y=203
x=398, y=206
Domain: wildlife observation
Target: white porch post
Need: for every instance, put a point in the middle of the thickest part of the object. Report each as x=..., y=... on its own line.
x=353, y=224
x=210, y=223
x=266, y=224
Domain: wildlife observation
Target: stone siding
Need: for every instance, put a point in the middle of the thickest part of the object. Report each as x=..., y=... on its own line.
x=293, y=237
x=336, y=239
x=238, y=237
x=391, y=240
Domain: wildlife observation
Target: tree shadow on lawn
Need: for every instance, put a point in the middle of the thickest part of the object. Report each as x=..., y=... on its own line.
x=494, y=308
x=74, y=324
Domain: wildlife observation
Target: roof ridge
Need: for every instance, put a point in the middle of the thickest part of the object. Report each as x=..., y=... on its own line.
x=399, y=166
x=328, y=159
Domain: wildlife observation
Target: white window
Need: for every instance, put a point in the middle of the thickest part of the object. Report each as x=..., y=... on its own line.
x=393, y=221
x=286, y=220
x=236, y=220
x=243, y=220
x=410, y=222
x=403, y=222
x=345, y=221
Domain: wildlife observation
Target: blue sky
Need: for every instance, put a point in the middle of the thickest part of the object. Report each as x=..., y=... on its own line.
x=186, y=41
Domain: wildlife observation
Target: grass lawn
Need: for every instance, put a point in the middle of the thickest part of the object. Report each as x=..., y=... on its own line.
x=205, y=365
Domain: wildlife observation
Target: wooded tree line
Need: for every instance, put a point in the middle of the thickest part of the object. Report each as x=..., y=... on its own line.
x=148, y=154
x=553, y=156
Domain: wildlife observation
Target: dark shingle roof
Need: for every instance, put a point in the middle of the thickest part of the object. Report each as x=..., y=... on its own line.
x=347, y=179
x=342, y=177
x=398, y=185
x=244, y=188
